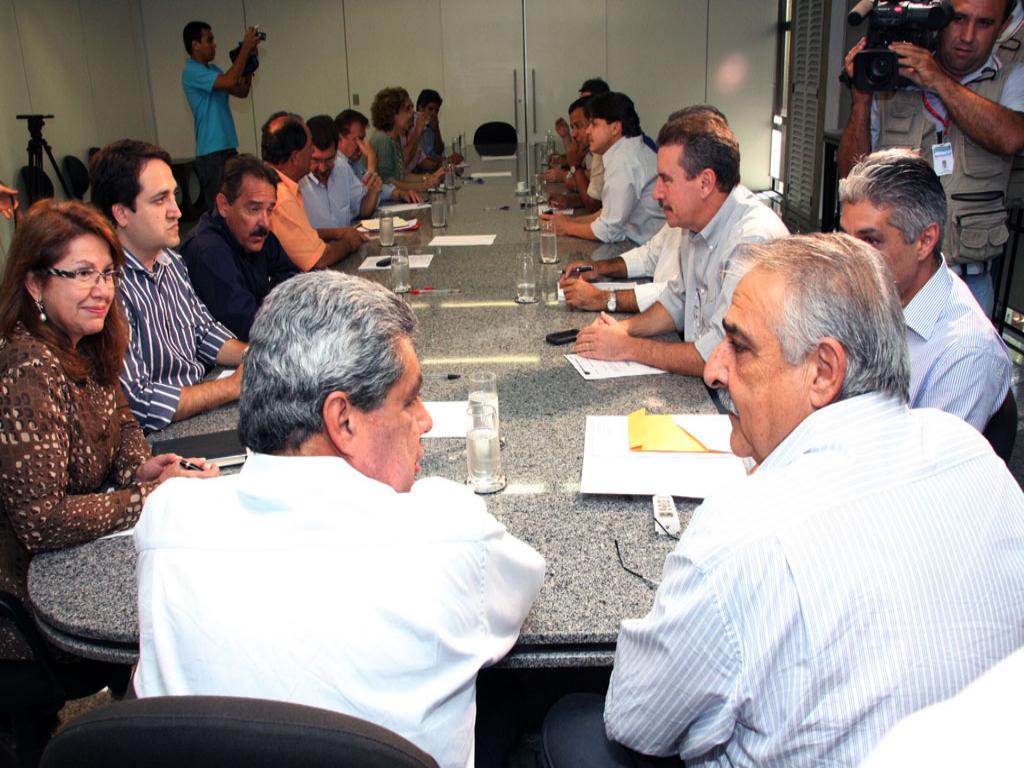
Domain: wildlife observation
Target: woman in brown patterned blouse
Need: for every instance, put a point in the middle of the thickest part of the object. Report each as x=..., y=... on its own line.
x=66, y=432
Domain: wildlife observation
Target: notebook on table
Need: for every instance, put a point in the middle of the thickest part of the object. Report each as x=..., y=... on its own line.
x=222, y=448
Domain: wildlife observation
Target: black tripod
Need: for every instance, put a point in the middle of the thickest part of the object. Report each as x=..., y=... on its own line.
x=35, y=174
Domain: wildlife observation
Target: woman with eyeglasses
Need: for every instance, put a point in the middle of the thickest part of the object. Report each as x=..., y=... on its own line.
x=74, y=465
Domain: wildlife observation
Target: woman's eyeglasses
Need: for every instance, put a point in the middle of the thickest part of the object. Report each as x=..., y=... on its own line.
x=86, y=277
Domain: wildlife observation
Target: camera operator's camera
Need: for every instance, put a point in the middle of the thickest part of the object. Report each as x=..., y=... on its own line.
x=253, y=62
x=876, y=68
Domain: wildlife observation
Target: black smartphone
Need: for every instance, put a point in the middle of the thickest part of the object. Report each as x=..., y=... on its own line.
x=562, y=337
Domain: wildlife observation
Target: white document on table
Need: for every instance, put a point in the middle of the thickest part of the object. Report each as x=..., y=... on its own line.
x=449, y=418
x=462, y=240
x=416, y=261
x=225, y=373
x=118, y=534
x=401, y=207
x=609, y=466
x=490, y=174
x=593, y=370
x=490, y=158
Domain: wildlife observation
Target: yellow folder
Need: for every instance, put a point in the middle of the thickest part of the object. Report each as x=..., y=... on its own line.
x=660, y=433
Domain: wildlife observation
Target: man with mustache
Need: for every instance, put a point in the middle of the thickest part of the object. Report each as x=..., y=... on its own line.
x=965, y=113
x=712, y=217
x=872, y=565
x=233, y=258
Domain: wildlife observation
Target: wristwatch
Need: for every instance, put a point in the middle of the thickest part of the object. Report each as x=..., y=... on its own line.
x=612, y=303
x=572, y=170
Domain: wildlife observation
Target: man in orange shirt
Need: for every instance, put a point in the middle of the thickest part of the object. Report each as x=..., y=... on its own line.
x=288, y=148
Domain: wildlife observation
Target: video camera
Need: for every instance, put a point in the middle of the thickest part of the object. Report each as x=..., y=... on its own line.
x=876, y=68
x=253, y=62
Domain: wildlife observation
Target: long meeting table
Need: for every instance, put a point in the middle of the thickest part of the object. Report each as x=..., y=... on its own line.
x=85, y=597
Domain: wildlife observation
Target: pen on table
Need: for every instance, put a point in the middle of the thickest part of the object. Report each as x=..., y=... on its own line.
x=186, y=464
x=496, y=208
x=428, y=289
x=443, y=376
x=577, y=270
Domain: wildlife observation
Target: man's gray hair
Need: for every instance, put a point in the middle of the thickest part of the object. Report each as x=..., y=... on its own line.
x=315, y=334
x=837, y=286
x=903, y=182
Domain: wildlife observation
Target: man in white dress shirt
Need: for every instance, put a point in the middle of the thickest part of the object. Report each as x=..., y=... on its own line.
x=712, y=217
x=628, y=212
x=893, y=201
x=322, y=574
x=873, y=564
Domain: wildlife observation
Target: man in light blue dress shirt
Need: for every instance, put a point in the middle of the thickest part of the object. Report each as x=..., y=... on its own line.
x=893, y=201
x=332, y=193
x=872, y=564
x=698, y=187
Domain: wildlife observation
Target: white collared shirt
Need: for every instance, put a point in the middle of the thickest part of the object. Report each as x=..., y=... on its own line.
x=627, y=209
x=302, y=580
x=658, y=259
x=958, y=363
x=872, y=565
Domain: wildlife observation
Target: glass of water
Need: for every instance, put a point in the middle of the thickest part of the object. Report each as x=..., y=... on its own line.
x=387, y=230
x=526, y=278
x=483, y=449
x=483, y=388
x=400, y=279
x=438, y=210
x=548, y=243
x=532, y=216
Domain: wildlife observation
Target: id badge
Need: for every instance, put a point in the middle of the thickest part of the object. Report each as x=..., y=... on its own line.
x=942, y=159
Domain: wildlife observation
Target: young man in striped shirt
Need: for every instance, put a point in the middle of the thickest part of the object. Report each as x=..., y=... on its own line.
x=174, y=338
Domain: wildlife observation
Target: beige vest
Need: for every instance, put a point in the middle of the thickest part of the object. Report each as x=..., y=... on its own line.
x=976, y=190
x=1011, y=51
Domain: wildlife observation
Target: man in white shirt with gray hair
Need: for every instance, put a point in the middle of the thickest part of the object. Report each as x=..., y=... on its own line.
x=324, y=574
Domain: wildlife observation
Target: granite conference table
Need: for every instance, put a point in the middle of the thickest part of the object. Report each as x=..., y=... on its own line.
x=84, y=597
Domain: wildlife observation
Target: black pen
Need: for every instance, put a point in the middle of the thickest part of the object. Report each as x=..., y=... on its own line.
x=577, y=270
x=443, y=376
x=186, y=464
x=383, y=262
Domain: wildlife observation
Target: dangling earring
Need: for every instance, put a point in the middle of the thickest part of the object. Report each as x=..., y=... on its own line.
x=42, y=311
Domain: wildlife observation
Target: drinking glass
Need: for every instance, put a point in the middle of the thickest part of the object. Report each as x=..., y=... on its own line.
x=483, y=449
x=548, y=244
x=387, y=230
x=438, y=210
x=400, y=279
x=526, y=278
x=483, y=388
x=532, y=215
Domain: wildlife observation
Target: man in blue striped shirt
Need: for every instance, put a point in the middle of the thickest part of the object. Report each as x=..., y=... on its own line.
x=893, y=201
x=174, y=338
x=873, y=564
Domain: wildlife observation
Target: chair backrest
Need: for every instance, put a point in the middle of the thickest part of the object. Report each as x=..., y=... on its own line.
x=200, y=731
x=1001, y=430
x=495, y=138
x=76, y=175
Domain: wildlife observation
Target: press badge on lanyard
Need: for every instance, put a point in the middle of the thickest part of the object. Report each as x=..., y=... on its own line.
x=942, y=159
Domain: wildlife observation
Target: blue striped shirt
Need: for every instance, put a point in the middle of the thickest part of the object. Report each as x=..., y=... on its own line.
x=958, y=363
x=174, y=338
x=874, y=564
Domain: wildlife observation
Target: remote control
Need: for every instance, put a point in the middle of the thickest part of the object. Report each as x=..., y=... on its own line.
x=666, y=520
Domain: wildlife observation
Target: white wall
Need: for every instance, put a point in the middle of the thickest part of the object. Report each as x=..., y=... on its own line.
x=80, y=60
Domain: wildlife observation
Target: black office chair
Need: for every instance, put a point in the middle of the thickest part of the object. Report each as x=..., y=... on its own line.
x=34, y=688
x=1001, y=430
x=200, y=731
x=76, y=175
x=495, y=139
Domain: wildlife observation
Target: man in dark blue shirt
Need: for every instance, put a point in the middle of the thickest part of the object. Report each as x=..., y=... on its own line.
x=233, y=258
